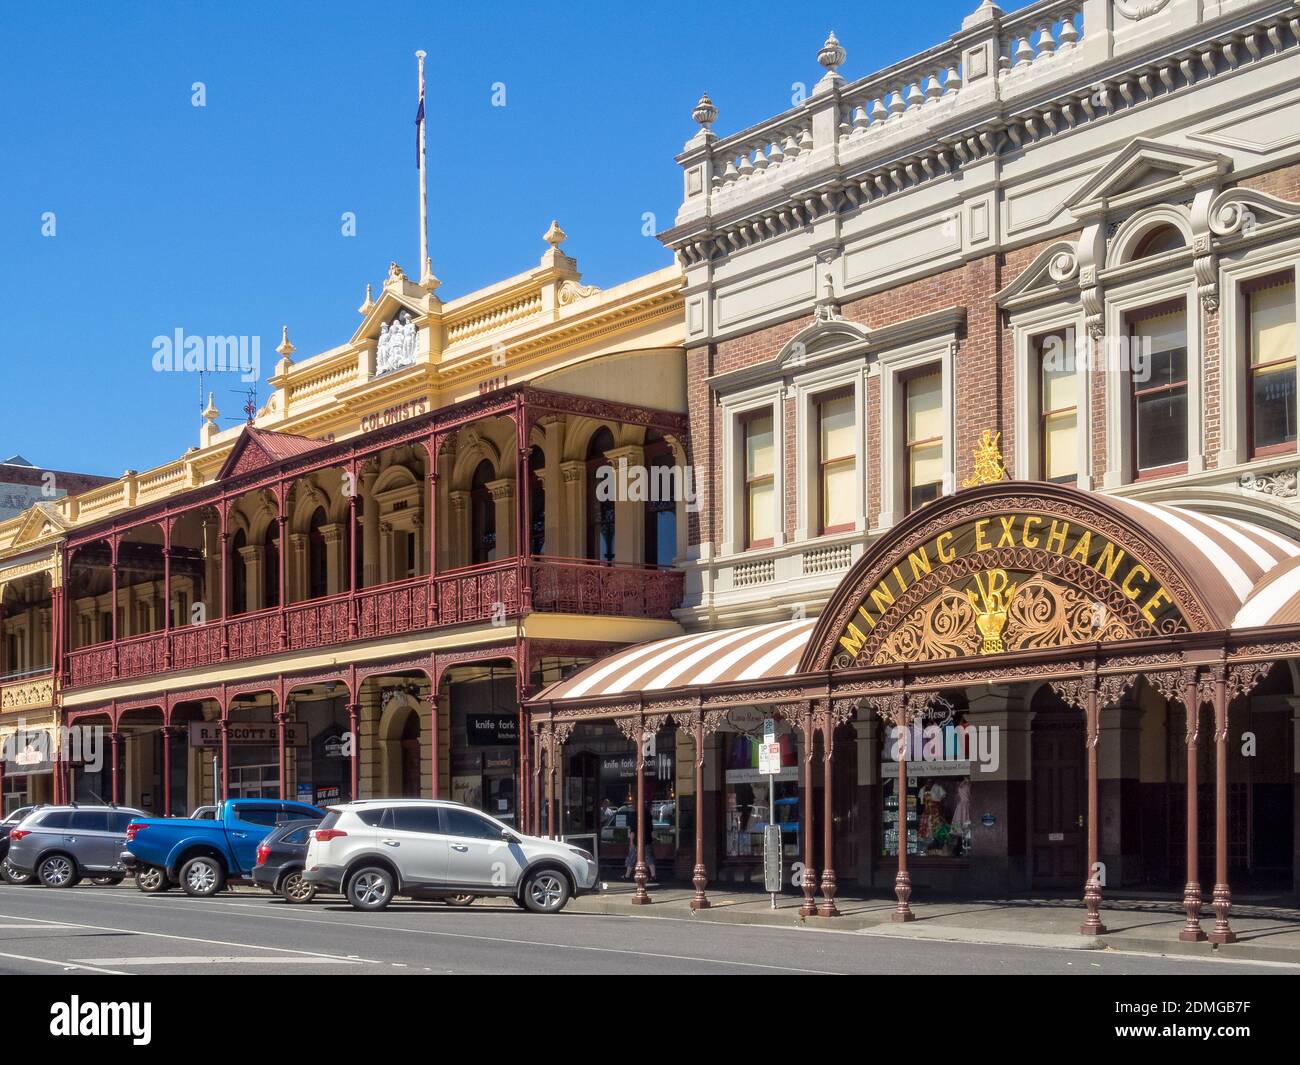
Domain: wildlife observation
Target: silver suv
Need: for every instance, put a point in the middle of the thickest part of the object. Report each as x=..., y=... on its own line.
x=64, y=844
x=374, y=849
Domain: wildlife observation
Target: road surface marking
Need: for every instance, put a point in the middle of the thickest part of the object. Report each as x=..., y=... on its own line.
x=65, y=965
x=215, y=959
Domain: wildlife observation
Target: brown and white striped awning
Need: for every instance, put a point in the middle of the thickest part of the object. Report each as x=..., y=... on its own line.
x=1228, y=559
x=754, y=652
x=1247, y=576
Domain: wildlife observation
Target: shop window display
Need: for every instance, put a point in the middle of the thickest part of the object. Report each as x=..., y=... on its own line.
x=747, y=797
x=937, y=803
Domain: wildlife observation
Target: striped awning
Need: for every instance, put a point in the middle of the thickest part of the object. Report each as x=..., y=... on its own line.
x=1227, y=559
x=1247, y=576
x=754, y=652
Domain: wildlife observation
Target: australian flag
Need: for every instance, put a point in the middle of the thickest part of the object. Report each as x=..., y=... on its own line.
x=419, y=121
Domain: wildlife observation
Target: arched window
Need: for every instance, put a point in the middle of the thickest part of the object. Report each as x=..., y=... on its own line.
x=1161, y=239
x=600, y=501
x=238, y=574
x=271, y=584
x=660, y=505
x=483, y=515
x=536, y=501
x=317, y=561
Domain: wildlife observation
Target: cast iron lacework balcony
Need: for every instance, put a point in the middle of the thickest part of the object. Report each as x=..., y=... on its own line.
x=277, y=556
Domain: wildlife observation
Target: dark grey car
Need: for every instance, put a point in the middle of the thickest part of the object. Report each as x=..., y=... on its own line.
x=64, y=844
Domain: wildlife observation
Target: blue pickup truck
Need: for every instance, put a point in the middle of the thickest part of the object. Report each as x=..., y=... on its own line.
x=201, y=855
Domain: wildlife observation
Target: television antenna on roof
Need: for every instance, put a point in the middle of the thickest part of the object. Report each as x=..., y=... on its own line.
x=250, y=404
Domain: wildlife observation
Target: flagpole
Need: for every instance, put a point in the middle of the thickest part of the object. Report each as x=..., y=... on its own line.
x=425, y=270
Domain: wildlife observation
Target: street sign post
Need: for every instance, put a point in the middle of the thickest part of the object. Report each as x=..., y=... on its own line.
x=769, y=762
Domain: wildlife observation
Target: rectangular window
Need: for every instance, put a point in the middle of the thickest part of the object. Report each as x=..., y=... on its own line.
x=924, y=438
x=1158, y=372
x=760, y=481
x=835, y=457
x=1058, y=408
x=1271, y=363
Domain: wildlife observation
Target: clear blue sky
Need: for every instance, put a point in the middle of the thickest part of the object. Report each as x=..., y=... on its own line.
x=225, y=219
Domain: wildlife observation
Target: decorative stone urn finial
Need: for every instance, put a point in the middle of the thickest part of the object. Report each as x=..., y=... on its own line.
x=285, y=347
x=705, y=112
x=555, y=236
x=832, y=52
x=428, y=280
x=368, y=304
x=211, y=414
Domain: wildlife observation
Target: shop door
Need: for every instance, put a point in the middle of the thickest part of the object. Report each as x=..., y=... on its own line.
x=581, y=788
x=844, y=797
x=411, y=768
x=1058, y=789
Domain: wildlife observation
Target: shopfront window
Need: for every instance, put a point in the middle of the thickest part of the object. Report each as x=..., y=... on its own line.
x=752, y=799
x=937, y=794
x=485, y=743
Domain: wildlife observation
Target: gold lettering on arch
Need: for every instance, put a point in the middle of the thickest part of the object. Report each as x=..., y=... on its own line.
x=992, y=604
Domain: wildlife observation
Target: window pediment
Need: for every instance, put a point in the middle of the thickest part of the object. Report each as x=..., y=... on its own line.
x=1145, y=171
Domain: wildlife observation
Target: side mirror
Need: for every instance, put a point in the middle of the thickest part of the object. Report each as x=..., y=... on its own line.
x=508, y=837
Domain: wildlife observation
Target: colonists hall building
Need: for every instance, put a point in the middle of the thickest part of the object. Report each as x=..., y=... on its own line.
x=986, y=577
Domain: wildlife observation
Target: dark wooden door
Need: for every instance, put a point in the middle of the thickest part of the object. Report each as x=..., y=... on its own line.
x=1058, y=788
x=844, y=797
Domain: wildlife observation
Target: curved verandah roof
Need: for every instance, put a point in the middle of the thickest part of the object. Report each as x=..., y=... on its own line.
x=1225, y=573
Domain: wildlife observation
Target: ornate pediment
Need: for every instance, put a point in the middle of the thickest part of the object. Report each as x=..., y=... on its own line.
x=41, y=521
x=1146, y=171
x=258, y=448
x=1055, y=270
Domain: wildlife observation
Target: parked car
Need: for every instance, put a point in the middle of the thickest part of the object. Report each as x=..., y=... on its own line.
x=375, y=849
x=202, y=854
x=62, y=845
x=6, y=826
x=280, y=860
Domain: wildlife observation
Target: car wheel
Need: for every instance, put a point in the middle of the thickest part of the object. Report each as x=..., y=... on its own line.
x=296, y=889
x=202, y=876
x=545, y=891
x=107, y=881
x=13, y=876
x=460, y=900
x=370, y=888
x=57, y=871
x=152, y=879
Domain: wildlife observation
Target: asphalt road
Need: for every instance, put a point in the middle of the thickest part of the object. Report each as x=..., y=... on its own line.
x=90, y=929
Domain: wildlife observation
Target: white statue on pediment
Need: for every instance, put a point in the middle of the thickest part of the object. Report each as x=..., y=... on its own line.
x=396, y=348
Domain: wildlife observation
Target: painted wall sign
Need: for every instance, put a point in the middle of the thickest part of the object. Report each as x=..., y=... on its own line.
x=392, y=415
x=208, y=734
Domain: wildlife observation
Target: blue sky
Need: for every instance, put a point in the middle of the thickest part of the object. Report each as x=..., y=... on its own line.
x=226, y=219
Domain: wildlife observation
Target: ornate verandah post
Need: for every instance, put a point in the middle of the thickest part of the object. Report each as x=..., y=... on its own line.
x=893, y=710
x=1181, y=686
x=1090, y=694
x=701, y=723
x=539, y=746
x=1236, y=681
x=801, y=719
x=639, y=729
x=836, y=712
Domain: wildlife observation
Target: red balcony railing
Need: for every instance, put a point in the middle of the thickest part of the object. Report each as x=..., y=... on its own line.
x=489, y=592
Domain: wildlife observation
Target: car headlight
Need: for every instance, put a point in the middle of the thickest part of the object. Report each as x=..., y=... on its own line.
x=584, y=855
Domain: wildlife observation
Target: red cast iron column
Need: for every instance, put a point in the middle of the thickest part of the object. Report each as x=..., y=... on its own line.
x=808, y=883
x=225, y=758
x=1192, y=931
x=114, y=739
x=280, y=720
x=354, y=727
x=1221, y=901
x=167, y=733
x=827, y=908
x=642, y=872
x=699, y=875
x=1092, y=925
